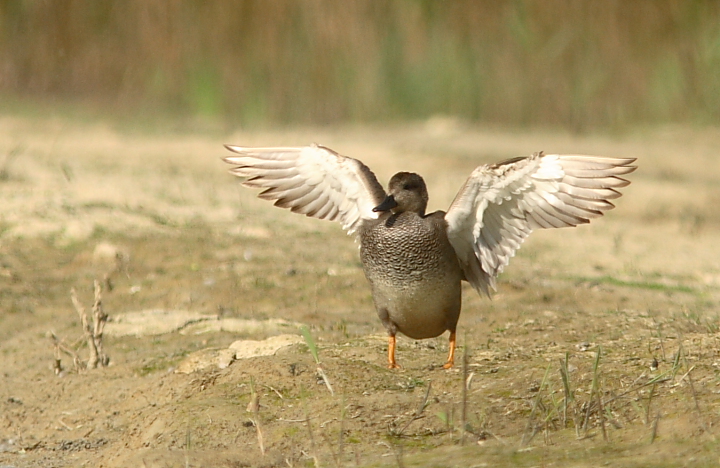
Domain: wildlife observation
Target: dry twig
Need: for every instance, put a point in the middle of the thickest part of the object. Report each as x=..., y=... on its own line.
x=99, y=321
x=61, y=347
x=254, y=408
x=93, y=331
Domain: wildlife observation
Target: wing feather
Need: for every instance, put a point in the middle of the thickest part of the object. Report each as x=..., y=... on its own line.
x=501, y=204
x=312, y=180
x=596, y=183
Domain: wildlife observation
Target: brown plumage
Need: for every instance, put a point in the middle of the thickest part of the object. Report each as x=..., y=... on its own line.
x=415, y=262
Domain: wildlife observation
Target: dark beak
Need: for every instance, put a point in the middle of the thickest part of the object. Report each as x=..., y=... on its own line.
x=388, y=204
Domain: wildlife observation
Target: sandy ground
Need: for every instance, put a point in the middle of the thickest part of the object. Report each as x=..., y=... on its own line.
x=153, y=215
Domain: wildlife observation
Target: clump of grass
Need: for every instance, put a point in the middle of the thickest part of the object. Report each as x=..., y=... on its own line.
x=597, y=411
x=314, y=352
x=418, y=414
x=593, y=392
x=531, y=428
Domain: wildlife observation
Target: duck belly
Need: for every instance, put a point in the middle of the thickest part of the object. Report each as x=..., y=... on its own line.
x=419, y=310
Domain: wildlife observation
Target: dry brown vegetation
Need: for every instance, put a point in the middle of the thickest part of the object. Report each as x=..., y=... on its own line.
x=601, y=346
x=577, y=64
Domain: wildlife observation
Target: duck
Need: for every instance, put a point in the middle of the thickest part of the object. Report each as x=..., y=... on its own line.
x=416, y=262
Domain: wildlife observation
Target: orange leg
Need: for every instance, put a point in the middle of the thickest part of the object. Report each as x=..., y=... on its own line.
x=451, y=356
x=391, y=353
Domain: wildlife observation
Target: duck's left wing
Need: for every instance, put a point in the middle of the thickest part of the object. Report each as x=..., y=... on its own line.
x=501, y=204
x=311, y=180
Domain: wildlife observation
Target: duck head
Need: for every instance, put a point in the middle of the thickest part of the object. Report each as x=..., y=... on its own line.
x=406, y=192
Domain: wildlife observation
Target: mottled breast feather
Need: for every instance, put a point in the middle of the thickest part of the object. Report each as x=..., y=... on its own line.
x=406, y=247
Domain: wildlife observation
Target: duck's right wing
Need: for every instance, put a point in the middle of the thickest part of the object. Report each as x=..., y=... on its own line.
x=501, y=204
x=312, y=180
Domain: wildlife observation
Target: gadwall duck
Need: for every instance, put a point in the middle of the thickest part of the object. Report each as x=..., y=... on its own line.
x=415, y=262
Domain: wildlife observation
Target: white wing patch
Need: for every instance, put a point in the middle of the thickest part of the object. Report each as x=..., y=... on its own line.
x=311, y=180
x=501, y=204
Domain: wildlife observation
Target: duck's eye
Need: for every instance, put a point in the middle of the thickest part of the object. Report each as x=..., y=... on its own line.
x=408, y=187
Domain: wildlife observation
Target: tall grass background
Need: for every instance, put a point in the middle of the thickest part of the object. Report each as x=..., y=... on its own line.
x=574, y=64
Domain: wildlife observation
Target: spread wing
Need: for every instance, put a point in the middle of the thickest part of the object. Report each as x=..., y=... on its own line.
x=501, y=204
x=312, y=180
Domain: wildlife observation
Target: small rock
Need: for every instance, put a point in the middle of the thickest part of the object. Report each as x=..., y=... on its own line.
x=584, y=346
x=225, y=358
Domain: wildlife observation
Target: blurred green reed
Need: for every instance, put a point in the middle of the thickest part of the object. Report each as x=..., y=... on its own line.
x=578, y=64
